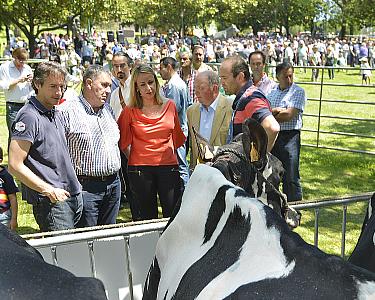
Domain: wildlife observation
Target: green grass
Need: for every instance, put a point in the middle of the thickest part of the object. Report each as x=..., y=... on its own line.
x=324, y=173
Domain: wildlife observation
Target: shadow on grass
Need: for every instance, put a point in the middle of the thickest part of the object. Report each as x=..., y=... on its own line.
x=355, y=127
x=335, y=174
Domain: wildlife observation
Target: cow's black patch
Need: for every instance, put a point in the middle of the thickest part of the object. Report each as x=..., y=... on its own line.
x=223, y=254
x=363, y=254
x=150, y=290
x=214, y=214
x=240, y=193
x=25, y=275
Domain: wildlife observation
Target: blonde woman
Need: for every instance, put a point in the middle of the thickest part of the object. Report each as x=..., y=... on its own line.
x=150, y=133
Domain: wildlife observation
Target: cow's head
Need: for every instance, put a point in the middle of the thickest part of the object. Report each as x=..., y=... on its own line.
x=246, y=163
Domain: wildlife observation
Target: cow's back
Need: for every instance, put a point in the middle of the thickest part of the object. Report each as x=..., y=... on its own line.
x=25, y=275
x=222, y=244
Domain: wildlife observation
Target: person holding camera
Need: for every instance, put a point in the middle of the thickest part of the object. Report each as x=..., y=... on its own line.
x=15, y=80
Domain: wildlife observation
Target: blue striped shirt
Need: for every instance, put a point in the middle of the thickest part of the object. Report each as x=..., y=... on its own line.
x=92, y=138
x=294, y=96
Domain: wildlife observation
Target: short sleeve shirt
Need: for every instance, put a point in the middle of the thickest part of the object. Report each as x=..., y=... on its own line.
x=294, y=97
x=48, y=156
x=250, y=102
x=7, y=187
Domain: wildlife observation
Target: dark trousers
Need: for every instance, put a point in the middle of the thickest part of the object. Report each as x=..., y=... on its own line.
x=126, y=192
x=148, y=182
x=58, y=216
x=101, y=201
x=12, y=109
x=287, y=150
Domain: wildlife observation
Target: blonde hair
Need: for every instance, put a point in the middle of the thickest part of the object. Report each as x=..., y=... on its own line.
x=135, y=96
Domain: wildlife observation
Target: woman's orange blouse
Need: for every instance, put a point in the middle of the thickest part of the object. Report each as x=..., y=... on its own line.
x=153, y=140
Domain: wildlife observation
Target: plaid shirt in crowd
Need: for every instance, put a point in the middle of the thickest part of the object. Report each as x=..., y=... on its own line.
x=190, y=85
x=294, y=96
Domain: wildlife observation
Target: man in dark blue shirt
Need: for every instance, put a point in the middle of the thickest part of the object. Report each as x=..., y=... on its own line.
x=39, y=156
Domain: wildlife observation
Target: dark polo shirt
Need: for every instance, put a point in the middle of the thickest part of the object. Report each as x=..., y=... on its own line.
x=48, y=155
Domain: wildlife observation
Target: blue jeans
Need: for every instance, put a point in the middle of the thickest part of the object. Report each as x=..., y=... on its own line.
x=101, y=201
x=11, y=114
x=183, y=166
x=287, y=149
x=58, y=216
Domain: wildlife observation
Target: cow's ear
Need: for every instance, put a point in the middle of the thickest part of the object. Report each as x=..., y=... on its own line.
x=254, y=140
x=205, y=150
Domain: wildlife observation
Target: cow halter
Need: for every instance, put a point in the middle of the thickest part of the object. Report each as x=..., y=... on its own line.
x=241, y=156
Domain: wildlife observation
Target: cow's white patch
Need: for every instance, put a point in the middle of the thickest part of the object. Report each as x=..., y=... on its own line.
x=261, y=257
x=20, y=126
x=366, y=290
x=186, y=231
x=267, y=171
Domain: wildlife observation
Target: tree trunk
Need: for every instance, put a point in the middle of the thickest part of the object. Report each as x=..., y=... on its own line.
x=343, y=30
x=351, y=29
x=31, y=37
x=7, y=34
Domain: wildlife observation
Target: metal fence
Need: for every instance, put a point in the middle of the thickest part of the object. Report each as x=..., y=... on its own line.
x=120, y=255
x=321, y=116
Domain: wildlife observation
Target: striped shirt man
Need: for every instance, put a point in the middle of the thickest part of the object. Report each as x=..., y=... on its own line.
x=92, y=138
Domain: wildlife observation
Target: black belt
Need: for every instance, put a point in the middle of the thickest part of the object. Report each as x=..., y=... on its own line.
x=97, y=178
x=16, y=103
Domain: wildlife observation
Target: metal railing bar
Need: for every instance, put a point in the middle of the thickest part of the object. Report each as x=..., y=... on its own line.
x=339, y=149
x=128, y=268
x=316, y=227
x=339, y=117
x=332, y=201
x=54, y=256
x=341, y=133
x=342, y=101
x=95, y=234
x=333, y=67
x=90, y=245
x=334, y=84
x=343, y=229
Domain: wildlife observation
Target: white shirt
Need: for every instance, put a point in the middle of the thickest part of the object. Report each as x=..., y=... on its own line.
x=207, y=118
x=114, y=102
x=23, y=90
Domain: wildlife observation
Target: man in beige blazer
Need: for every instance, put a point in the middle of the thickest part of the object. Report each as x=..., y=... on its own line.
x=211, y=116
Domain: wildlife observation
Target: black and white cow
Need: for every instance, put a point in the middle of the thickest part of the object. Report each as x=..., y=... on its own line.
x=25, y=275
x=246, y=163
x=364, y=252
x=223, y=244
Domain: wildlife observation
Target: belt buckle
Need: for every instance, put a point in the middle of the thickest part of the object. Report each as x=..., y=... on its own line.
x=102, y=178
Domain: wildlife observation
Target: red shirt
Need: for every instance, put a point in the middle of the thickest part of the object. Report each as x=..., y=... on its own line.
x=153, y=140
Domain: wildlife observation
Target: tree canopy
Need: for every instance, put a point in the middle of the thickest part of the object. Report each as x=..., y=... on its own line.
x=34, y=17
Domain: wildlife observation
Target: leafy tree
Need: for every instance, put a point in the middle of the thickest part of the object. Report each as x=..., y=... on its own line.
x=34, y=17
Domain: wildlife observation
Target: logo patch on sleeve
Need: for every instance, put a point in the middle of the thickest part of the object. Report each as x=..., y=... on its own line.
x=20, y=126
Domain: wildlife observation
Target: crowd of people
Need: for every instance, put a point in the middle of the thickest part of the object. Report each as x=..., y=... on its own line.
x=301, y=50
x=127, y=137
